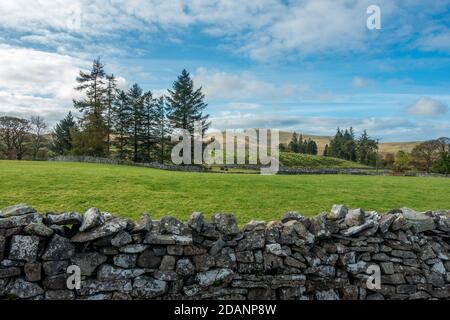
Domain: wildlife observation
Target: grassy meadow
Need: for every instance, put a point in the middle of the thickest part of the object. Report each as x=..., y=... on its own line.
x=300, y=160
x=128, y=191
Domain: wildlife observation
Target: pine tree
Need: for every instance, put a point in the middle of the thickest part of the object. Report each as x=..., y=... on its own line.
x=162, y=128
x=311, y=147
x=294, y=144
x=325, y=151
x=90, y=140
x=149, y=125
x=300, y=144
x=93, y=83
x=367, y=149
x=110, y=96
x=336, y=145
x=136, y=100
x=62, y=140
x=122, y=120
x=186, y=105
x=349, y=145
x=92, y=125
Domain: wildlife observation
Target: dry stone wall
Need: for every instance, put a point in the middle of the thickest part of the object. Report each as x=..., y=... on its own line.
x=322, y=257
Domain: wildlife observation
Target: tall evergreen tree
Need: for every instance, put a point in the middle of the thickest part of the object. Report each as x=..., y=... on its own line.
x=93, y=83
x=294, y=145
x=349, y=145
x=110, y=96
x=62, y=140
x=94, y=140
x=367, y=149
x=122, y=120
x=301, y=148
x=90, y=140
x=336, y=145
x=148, y=141
x=325, y=151
x=186, y=105
x=162, y=128
x=312, y=147
x=136, y=100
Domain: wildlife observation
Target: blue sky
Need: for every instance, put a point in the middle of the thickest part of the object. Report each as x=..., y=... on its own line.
x=309, y=65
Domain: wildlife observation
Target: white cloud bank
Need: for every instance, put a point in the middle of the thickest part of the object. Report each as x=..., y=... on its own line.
x=229, y=86
x=262, y=30
x=426, y=106
x=37, y=82
x=29, y=71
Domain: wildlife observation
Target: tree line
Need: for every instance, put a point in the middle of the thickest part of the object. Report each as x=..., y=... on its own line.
x=429, y=156
x=300, y=145
x=23, y=138
x=130, y=124
x=345, y=145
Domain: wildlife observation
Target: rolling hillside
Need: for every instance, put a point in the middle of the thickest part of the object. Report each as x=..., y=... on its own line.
x=386, y=147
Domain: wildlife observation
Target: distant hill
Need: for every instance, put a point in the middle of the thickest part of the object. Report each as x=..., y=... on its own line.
x=298, y=160
x=386, y=147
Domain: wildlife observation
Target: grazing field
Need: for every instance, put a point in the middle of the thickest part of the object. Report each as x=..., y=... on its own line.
x=299, y=160
x=128, y=191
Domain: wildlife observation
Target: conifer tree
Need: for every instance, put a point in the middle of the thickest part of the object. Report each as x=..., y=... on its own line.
x=110, y=96
x=186, y=105
x=294, y=144
x=62, y=140
x=122, y=120
x=162, y=128
x=149, y=124
x=311, y=147
x=91, y=138
x=367, y=149
x=325, y=151
x=93, y=83
x=136, y=100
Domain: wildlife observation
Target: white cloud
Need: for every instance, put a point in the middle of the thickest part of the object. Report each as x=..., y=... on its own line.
x=25, y=106
x=360, y=82
x=386, y=128
x=242, y=106
x=426, y=106
x=39, y=73
x=223, y=85
x=38, y=82
x=263, y=30
x=435, y=39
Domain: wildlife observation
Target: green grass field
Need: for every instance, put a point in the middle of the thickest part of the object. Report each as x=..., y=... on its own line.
x=299, y=160
x=128, y=191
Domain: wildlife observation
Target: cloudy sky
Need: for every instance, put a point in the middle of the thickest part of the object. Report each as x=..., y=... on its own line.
x=306, y=65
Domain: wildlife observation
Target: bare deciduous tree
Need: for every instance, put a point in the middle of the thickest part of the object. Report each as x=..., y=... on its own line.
x=13, y=136
x=425, y=154
x=38, y=129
